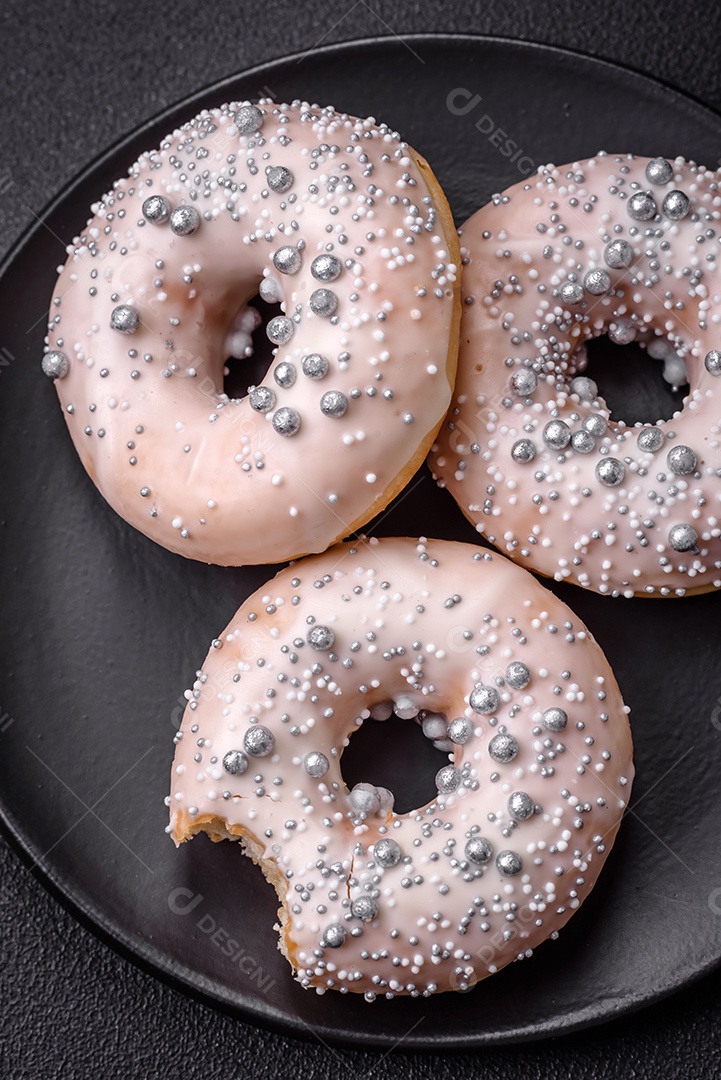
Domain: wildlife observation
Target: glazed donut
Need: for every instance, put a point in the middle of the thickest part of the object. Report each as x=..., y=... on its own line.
x=530, y=452
x=345, y=226
x=526, y=808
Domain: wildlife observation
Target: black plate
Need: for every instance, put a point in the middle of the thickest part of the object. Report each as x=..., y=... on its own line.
x=103, y=630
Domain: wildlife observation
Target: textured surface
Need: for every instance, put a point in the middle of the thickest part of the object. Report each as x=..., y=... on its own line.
x=72, y=1007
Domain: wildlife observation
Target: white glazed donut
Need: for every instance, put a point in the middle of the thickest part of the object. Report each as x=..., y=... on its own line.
x=530, y=453
x=527, y=807
x=343, y=224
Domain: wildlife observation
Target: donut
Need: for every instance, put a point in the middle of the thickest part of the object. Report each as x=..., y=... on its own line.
x=343, y=225
x=526, y=806
x=530, y=452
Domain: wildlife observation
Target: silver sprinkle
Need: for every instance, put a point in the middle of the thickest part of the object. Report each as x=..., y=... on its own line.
x=184, y=220
x=448, y=779
x=478, y=850
x=333, y=403
x=316, y=764
x=334, y=936
x=681, y=460
x=597, y=281
x=248, y=119
x=642, y=206
x=286, y=422
x=156, y=209
x=557, y=434
x=650, y=440
x=262, y=399
x=583, y=442
x=125, y=318
x=676, y=205
x=279, y=178
x=364, y=799
x=572, y=292
x=323, y=302
x=659, y=171
x=520, y=805
x=524, y=382
x=554, y=719
x=287, y=260
x=523, y=451
x=270, y=291
x=55, y=364
x=285, y=374
x=460, y=730
x=235, y=762
x=326, y=268
x=386, y=852
x=518, y=675
x=595, y=425
x=258, y=741
x=315, y=366
x=509, y=863
x=364, y=908
x=503, y=747
x=622, y=332
x=586, y=388
x=682, y=537
x=610, y=472
x=712, y=362
x=321, y=638
x=280, y=330
x=618, y=254
x=484, y=699
x=405, y=707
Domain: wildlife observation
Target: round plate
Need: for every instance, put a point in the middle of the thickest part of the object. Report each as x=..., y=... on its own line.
x=103, y=630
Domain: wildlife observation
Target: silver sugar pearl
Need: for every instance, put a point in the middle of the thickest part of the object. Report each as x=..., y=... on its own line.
x=405, y=707
x=518, y=675
x=622, y=332
x=478, y=850
x=386, y=852
x=278, y=178
x=597, y=281
x=595, y=425
x=659, y=171
x=681, y=460
x=434, y=726
x=321, y=638
x=184, y=220
x=55, y=364
x=712, y=362
x=460, y=730
x=248, y=119
x=572, y=292
x=509, y=863
x=484, y=699
x=503, y=747
x=316, y=764
x=523, y=451
x=334, y=403
x=262, y=399
x=156, y=209
x=557, y=434
x=285, y=374
x=586, y=388
x=269, y=290
x=125, y=318
x=286, y=422
x=682, y=537
x=583, y=442
x=258, y=741
x=618, y=254
x=280, y=330
x=650, y=440
x=334, y=936
x=364, y=908
x=610, y=472
x=323, y=302
x=287, y=260
x=524, y=382
x=315, y=366
x=448, y=780
x=364, y=799
x=520, y=805
x=554, y=719
x=676, y=205
x=642, y=206
x=326, y=268
x=235, y=762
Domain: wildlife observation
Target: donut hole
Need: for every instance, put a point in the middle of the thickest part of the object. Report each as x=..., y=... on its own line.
x=631, y=382
x=242, y=372
x=394, y=754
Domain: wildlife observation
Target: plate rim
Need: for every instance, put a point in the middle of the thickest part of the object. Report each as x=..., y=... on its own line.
x=151, y=960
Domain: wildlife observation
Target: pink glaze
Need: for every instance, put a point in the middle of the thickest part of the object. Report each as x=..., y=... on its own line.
x=428, y=625
x=209, y=477
x=655, y=531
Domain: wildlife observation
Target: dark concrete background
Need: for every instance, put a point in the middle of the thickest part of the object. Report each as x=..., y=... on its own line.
x=77, y=76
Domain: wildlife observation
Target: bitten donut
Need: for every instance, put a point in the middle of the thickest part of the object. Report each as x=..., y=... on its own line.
x=344, y=226
x=620, y=245
x=527, y=806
